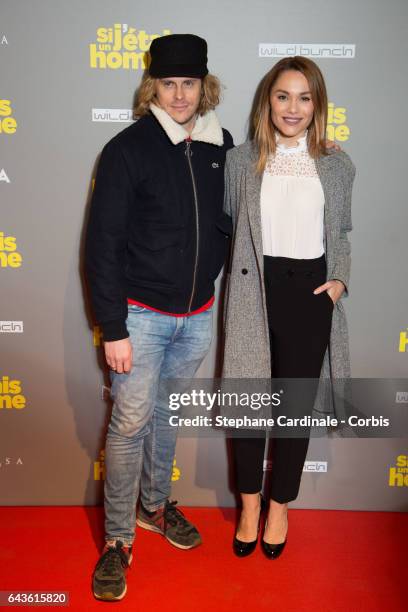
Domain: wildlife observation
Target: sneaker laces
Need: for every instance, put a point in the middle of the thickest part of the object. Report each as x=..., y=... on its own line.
x=112, y=558
x=174, y=516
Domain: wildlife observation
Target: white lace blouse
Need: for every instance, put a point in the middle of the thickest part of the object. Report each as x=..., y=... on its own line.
x=292, y=204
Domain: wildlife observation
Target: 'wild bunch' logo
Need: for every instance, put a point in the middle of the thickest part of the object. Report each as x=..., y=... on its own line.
x=121, y=47
x=398, y=476
x=336, y=123
x=11, y=394
x=9, y=256
x=8, y=125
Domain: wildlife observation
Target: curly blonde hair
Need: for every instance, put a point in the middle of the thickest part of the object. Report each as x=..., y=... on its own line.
x=210, y=94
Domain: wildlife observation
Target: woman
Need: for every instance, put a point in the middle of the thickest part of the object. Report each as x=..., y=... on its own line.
x=290, y=199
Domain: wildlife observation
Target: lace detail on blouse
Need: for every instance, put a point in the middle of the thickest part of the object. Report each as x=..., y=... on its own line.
x=291, y=161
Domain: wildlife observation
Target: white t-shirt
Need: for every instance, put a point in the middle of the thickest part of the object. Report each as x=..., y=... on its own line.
x=292, y=204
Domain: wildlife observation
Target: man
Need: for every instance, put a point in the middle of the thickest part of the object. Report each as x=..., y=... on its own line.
x=156, y=242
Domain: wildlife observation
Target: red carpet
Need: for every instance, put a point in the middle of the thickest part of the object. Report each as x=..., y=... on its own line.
x=334, y=560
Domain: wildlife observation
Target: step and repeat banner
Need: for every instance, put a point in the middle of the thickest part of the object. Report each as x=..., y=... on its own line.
x=69, y=73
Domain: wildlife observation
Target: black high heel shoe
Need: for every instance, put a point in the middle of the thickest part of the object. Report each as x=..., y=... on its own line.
x=243, y=549
x=273, y=551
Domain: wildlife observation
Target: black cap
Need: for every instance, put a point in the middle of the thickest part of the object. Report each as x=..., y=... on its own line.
x=178, y=55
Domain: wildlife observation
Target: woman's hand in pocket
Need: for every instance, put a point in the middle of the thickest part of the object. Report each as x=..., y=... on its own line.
x=334, y=289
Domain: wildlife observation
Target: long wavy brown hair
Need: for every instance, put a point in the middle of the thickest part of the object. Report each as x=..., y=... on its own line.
x=210, y=94
x=263, y=128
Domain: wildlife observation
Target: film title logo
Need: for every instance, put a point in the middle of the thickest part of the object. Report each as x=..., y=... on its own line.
x=403, y=341
x=11, y=394
x=11, y=327
x=9, y=256
x=336, y=123
x=99, y=469
x=398, y=476
x=97, y=336
x=121, y=47
x=3, y=176
x=8, y=125
x=176, y=473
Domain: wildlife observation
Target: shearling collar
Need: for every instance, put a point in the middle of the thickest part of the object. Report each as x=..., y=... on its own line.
x=207, y=127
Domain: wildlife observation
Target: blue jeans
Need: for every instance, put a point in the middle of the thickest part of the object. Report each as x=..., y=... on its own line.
x=140, y=443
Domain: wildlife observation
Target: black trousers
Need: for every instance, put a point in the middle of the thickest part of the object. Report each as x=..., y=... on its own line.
x=299, y=327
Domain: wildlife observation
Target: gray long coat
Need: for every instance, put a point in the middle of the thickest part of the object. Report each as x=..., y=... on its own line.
x=247, y=348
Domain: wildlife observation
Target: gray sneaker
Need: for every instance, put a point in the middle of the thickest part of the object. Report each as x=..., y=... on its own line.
x=109, y=579
x=170, y=522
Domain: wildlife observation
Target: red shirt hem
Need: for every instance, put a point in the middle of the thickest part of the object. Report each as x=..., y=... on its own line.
x=203, y=308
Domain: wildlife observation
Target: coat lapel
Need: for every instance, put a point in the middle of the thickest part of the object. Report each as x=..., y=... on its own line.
x=324, y=167
x=253, y=184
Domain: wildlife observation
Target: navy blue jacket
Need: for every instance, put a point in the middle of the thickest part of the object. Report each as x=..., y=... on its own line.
x=157, y=232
